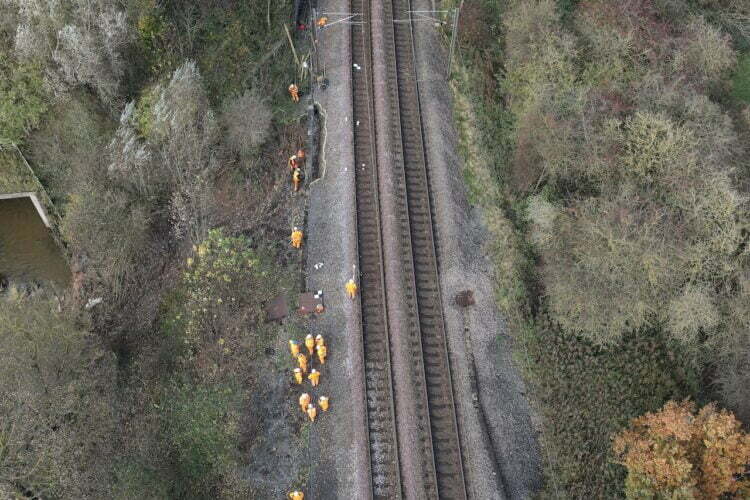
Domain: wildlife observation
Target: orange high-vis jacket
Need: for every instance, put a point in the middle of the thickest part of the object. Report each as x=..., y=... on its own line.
x=302, y=361
x=323, y=402
x=294, y=92
x=296, y=495
x=322, y=353
x=351, y=289
x=298, y=375
x=296, y=238
x=304, y=400
x=314, y=377
x=311, y=412
x=310, y=343
x=319, y=340
x=294, y=348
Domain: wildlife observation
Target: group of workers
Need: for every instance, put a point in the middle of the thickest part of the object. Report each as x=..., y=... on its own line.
x=318, y=346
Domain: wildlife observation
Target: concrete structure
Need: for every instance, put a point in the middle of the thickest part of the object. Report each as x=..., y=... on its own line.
x=32, y=196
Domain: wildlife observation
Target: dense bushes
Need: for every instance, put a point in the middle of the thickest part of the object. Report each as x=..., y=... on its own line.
x=588, y=392
x=145, y=393
x=622, y=197
x=644, y=222
x=235, y=44
x=199, y=429
x=56, y=409
x=221, y=294
x=80, y=43
x=23, y=100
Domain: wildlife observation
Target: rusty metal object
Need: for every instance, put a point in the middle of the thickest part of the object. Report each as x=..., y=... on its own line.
x=465, y=298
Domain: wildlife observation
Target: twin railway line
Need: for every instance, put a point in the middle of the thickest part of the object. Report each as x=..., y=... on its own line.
x=423, y=332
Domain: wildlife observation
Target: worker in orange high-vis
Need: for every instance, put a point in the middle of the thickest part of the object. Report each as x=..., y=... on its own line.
x=322, y=351
x=319, y=340
x=314, y=377
x=293, y=163
x=294, y=92
x=322, y=22
x=294, y=348
x=311, y=412
x=323, y=402
x=296, y=495
x=297, y=237
x=298, y=375
x=309, y=343
x=296, y=178
x=302, y=362
x=351, y=288
x=296, y=161
x=304, y=400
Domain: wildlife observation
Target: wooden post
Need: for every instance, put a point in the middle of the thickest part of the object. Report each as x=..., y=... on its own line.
x=291, y=44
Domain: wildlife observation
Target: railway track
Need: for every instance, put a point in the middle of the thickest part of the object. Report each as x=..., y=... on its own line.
x=438, y=446
x=381, y=423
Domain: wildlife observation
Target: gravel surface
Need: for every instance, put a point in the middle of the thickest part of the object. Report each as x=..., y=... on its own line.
x=278, y=455
x=338, y=439
x=489, y=391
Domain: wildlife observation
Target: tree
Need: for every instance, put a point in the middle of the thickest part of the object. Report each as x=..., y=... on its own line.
x=82, y=42
x=706, y=54
x=56, y=418
x=184, y=135
x=248, y=120
x=678, y=453
x=661, y=239
x=166, y=147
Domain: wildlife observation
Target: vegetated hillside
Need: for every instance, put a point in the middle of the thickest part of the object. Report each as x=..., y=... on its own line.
x=157, y=128
x=616, y=135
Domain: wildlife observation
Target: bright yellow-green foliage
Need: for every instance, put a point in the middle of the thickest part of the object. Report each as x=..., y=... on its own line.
x=224, y=283
x=678, y=453
x=144, y=110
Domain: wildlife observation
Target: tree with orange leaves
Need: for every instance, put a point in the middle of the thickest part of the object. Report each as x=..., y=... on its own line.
x=676, y=453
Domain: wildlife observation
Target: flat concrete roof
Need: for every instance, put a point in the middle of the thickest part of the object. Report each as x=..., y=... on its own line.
x=32, y=196
x=17, y=180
